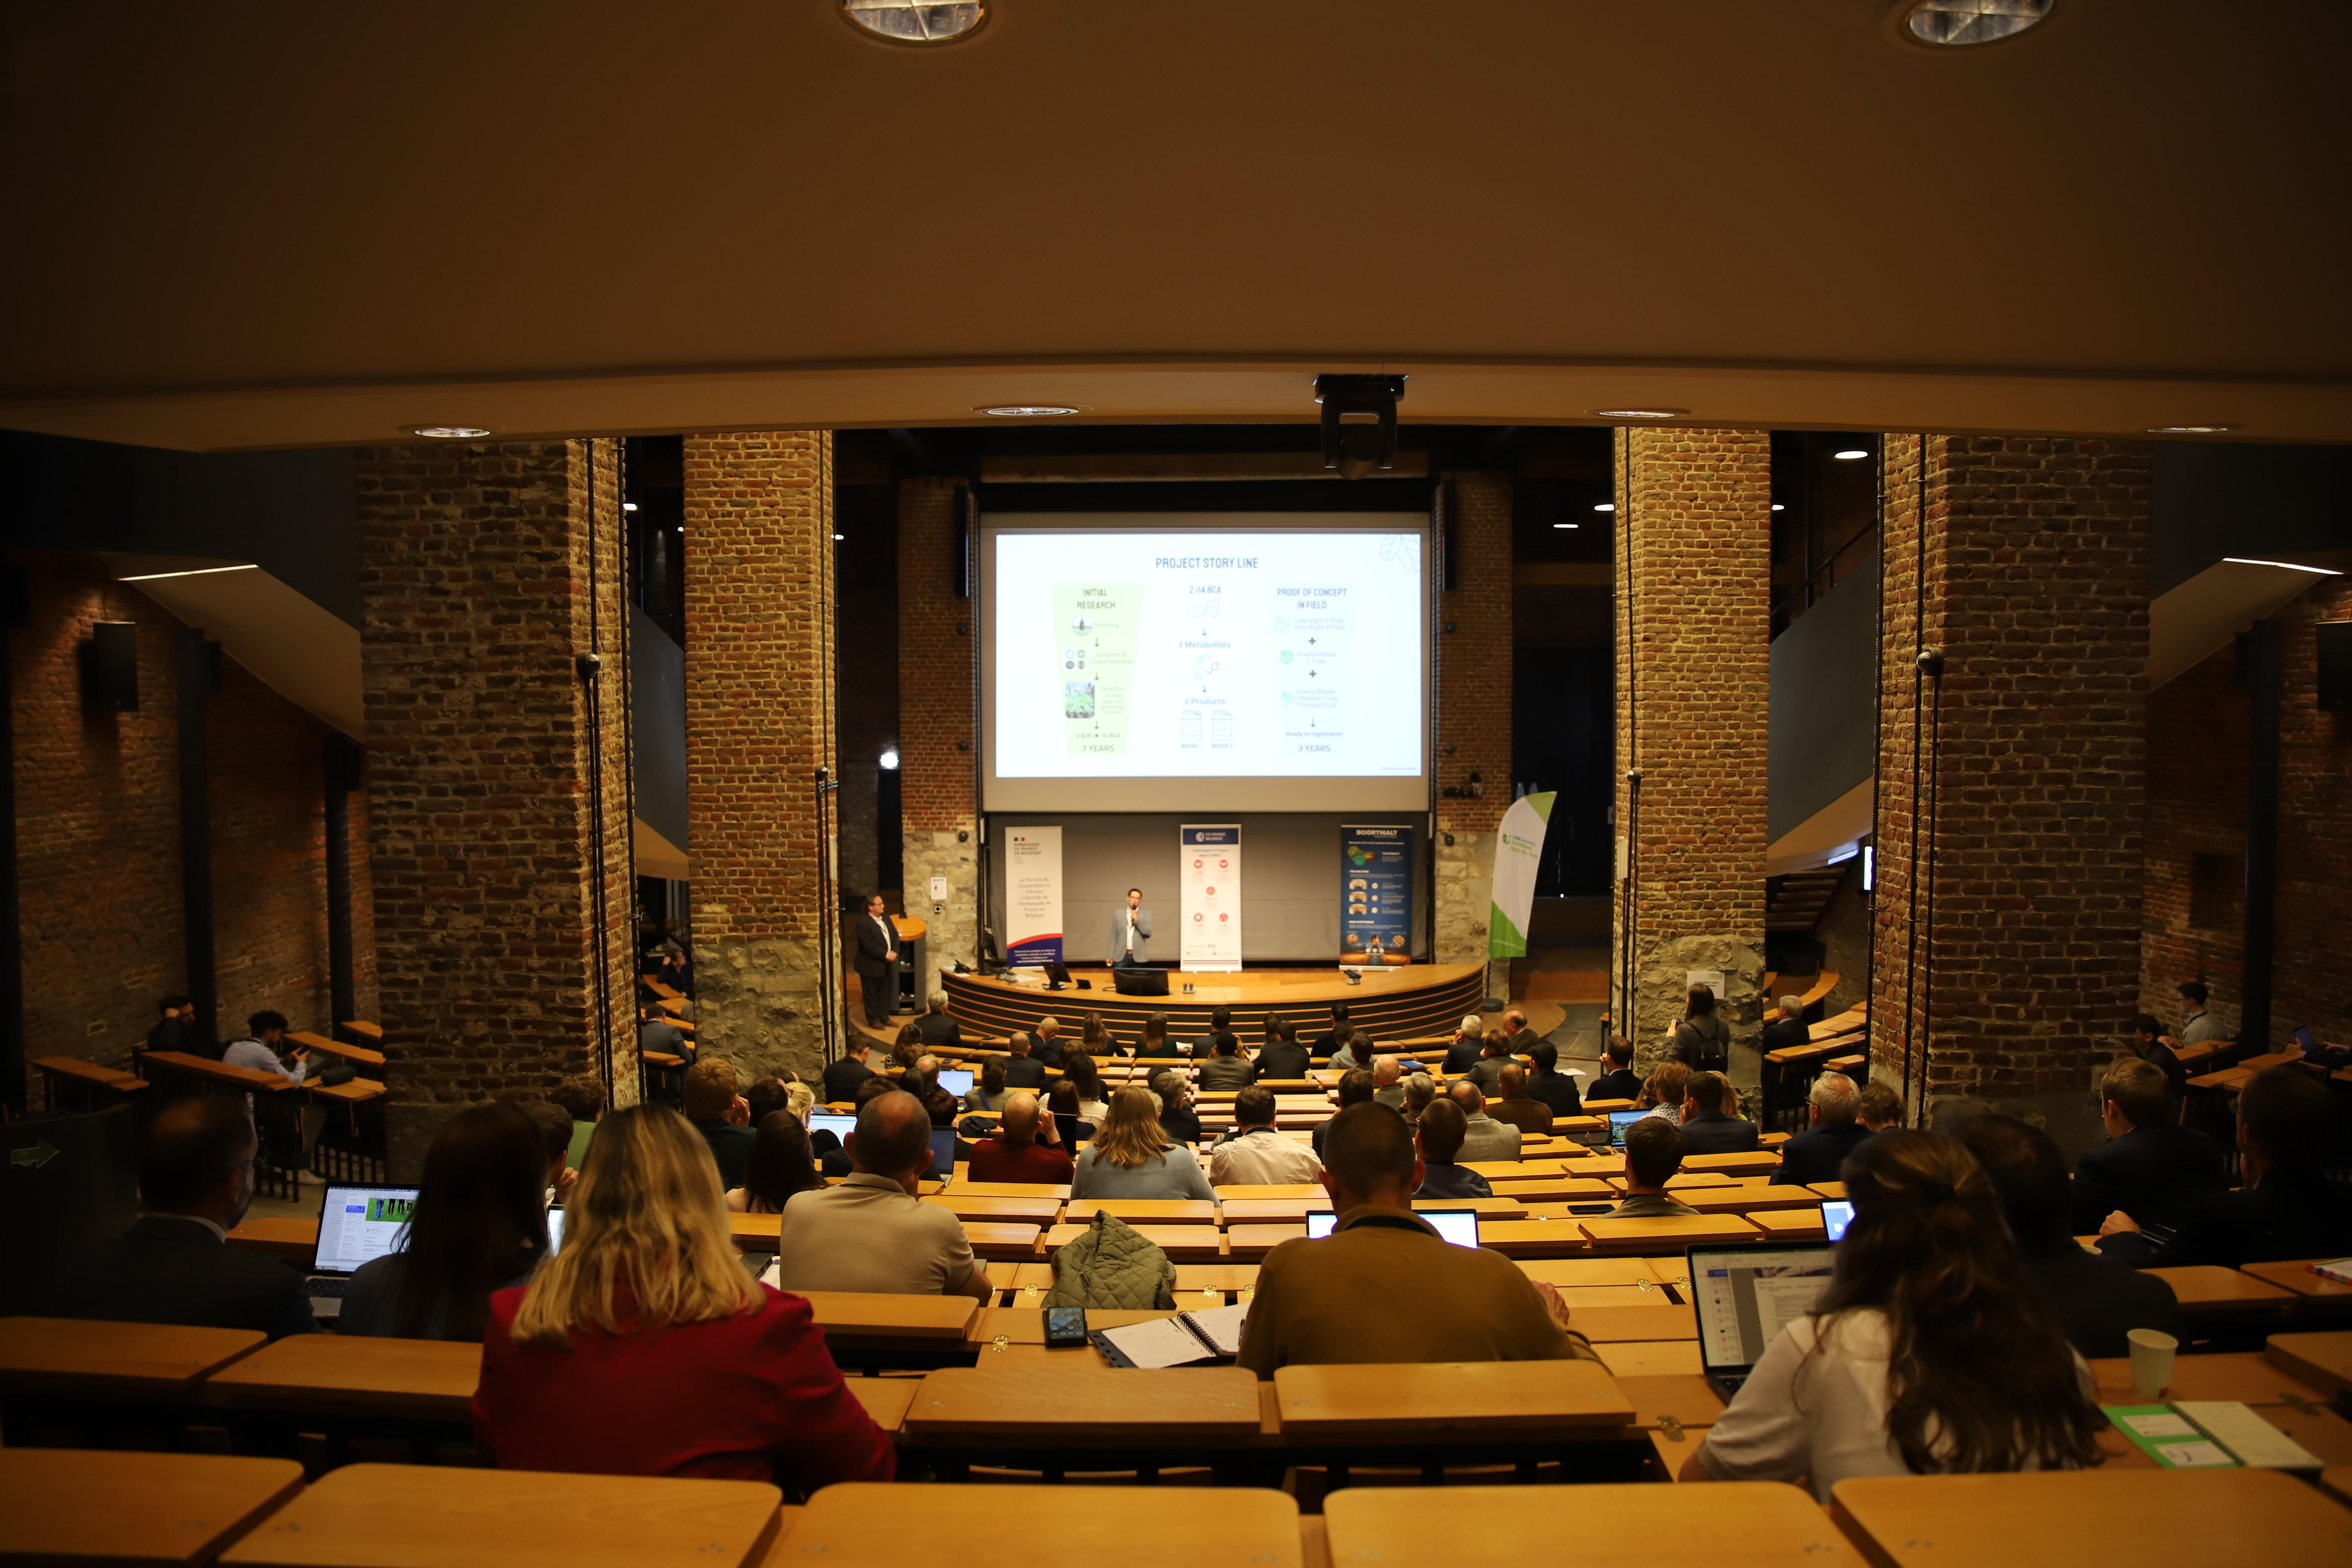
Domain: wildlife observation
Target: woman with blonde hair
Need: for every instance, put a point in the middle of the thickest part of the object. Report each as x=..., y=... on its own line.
x=1130, y=1156
x=644, y=1349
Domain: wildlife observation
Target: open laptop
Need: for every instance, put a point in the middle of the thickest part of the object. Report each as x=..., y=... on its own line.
x=1459, y=1226
x=832, y=1121
x=1745, y=1295
x=956, y=1080
x=357, y=1222
x=1618, y=1121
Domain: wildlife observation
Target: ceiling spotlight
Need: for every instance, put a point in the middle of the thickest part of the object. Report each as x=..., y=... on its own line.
x=841, y=536
x=1850, y=453
x=1604, y=505
x=450, y=432
x=1026, y=410
x=1639, y=412
x=1563, y=525
x=914, y=22
x=2188, y=429
x=1778, y=507
x=1957, y=24
x=890, y=757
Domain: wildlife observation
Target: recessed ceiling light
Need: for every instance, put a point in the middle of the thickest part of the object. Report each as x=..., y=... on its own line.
x=2232, y=559
x=1026, y=410
x=1957, y=24
x=1604, y=505
x=841, y=536
x=890, y=757
x=1563, y=525
x=1639, y=412
x=450, y=432
x=2188, y=429
x=628, y=506
x=914, y=22
x=1850, y=453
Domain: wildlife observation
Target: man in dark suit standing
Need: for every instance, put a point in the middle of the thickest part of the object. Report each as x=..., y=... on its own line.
x=1818, y=1153
x=878, y=962
x=1617, y=1082
x=2149, y=1169
x=1706, y=1126
x=174, y=1264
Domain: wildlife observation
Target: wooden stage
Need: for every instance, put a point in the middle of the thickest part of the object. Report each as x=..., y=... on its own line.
x=1413, y=1003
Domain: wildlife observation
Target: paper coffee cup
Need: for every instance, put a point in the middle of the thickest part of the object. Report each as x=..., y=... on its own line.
x=2151, y=1364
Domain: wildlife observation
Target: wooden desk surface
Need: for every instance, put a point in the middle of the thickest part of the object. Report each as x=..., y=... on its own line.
x=252, y=1078
x=90, y=1072
x=360, y=1375
x=966, y=1206
x=67, y=1505
x=1650, y=1358
x=1569, y=1271
x=2297, y=1276
x=886, y=1398
x=1672, y=1230
x=1752, y=1200
x=1759, y=1164
x=1515, y=1396
x=1788, y=1224
x=1027, y=1325
x=294, y=1240
x=875, y=1315
x=1160, y=1211
x=1251, y=1243
x=1688, y=1398
x=2324, y=1361
x=431, y=1516
x=2208, y=1289
x=1059, y=1194
x=1182, y=1242
x=1652, y=1320
x=1538, y=1236
x=1079, y=1403
x=356, y=1091
x=1557, y=1189
x=862, y=1525
x=1740, y=1524
x=2150, y=1519
x=124, y=1358
x=373, y=1031
x=2250, y=1376
x=362, y=1055
x=1275, y=1190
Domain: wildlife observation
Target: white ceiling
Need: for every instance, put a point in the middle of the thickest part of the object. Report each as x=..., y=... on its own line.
x=284, y=225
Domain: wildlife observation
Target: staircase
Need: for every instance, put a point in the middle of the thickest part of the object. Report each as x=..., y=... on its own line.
x=1795, y=902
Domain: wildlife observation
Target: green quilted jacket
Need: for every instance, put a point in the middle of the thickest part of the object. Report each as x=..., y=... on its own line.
x=1113, y=1267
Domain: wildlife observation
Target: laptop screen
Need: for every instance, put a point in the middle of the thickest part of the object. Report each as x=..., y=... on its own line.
x=1618, y=1121
x=840, y=1126
x=956, y=1080
x=1459, y=1226
x=944, y=1143
x=1747, y=1295
x=358, y=1222
x=1836, y=1215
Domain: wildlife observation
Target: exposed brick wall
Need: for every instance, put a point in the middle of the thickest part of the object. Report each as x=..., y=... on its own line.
x=479, y=568
x=1474, y=717
x=2197, y=771
x=760, y=695
x=937, y=737
x=2036, y=590
x=1694, y=651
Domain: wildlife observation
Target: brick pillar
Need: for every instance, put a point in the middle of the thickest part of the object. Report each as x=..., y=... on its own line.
x=760, y=696
x=1693, y=683
x=939, y=815
x=485, y=572
x=2035, y=578
x=1474, y=719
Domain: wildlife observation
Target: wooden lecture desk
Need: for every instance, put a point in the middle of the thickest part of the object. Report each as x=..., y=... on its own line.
x=1671, y=1231
x=2296, y=1275
x=2207, y=1291
x=433, y=1516
x=1182, y=1242
x=856, y=1319
x=1421, y=1402
x=93, y=1506
x=990, y=1240
x=1395, y=1004
x=1079, y=1414
x=1140, y=1211
x=1565, y=1272
x=1650, y=1358
x=2062, y=1519
x=68, y=1083
x=1743, y=1524
x=1788, y=1225
x=2252, y=1377
x=1027, y=1325
x=886, y=1398
x=359, y=1056
x=290, y=1240
x=862, y=1525
x=373, y=1031
x=1650, y=1320
x=120, y=1361
x=360, y=1378
x=981, y=1208
x=2322, y=1361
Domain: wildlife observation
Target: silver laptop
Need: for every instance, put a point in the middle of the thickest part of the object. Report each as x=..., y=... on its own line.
x=357, y=1223
x=1745, y=1295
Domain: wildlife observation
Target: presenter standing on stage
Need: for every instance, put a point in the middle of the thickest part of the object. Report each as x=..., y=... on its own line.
x=1130, y=932
x=878, y=962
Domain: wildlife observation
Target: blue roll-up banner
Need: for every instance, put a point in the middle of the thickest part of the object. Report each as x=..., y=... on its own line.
x=1376, y=895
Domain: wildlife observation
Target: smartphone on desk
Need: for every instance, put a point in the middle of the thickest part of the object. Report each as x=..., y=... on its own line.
x=1064, y=1327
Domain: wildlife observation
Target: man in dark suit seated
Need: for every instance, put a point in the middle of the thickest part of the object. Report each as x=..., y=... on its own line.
x=2149, y=1044
x=843, y=1077
x=1618, y=1079
x=935, y=1026
x=1468, y=1045
x=1788, y=1029
x=1554, y=1088
x=1517, y=1038
x=1437, y=1137
x=1818, y=1153
x=2149, y=1169
x=1221, y=1022
x=2098, y=1299
x=2288, y=1207
x=1706, y=1126
x=1022, y=1069
x=1515, y=1106
x=174, y=1266
x=1282, y=1056
x=1332, y=1039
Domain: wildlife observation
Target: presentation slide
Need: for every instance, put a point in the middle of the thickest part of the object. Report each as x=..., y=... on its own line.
x=1137, y=661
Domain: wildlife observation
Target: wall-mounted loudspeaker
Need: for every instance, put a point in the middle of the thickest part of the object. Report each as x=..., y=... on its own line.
x=2335, y=665
x=109, y=668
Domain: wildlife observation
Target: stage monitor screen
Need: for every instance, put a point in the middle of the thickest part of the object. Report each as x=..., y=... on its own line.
x=1205, y=661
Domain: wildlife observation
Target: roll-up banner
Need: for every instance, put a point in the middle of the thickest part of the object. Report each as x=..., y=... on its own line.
x=1033, y=895
x=1212, y=911
x=1375, y=895
x=1518, y=850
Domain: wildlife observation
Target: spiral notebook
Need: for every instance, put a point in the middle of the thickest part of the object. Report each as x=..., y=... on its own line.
x=1185, y=1340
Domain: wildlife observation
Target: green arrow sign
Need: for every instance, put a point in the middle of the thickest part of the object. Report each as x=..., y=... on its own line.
x=34, y=1154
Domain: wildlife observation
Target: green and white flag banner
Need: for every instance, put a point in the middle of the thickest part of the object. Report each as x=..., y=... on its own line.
x=1518, y=847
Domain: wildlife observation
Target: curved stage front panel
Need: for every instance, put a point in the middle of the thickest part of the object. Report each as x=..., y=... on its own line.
x=1393, y=1004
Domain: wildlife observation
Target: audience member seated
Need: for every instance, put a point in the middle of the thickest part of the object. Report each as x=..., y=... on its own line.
x=1654, y=1153
x=763, y=1100
x=555, y=1125
x=1617, y=1079
x=1787, y=1031
x=656, y=1032
x=2149, y=1168
x=1078, y=1070
x=2197, y=1025
x=781, y=1163
x=1063, y=1105
x=1663, y=1091
x=842, y=1078
x=1095, y=1039
x=988, y=1090
x=174, y=1266
x=943, y=1111
x=935, y=1028
x=1221, y=1022
x=643, y=1348
x=1517, y=1038
x=1513, y=1106
x=2149, y=1044
x=2098, y=1299
x=1354, y=1087
x=1177, y=1117
x=1225, y=1068
x=2287, y=1208
x=908, y=1048
x=1350, y=1048
x=1027, y=1146
x=1384, y=1287
x=479, y=1225
x=1818, y=1153
x=1485, y=1138
x=1154, y=1041
x=1253, y=1153
x=1021, y=1067
x=258, y=1050
x=1045, y=1046
x=871, y=1232
x=1419, y=1090
x=1282, y=1057
x=1486, y=1072
x=1877, y=1106
x=1939, y=1353
x=721, y=1116
x=583, y=1099
x=1549, y=1086
x=1437, y=1138
x=1469, y=1043
x=1700, y=1040
x=1130, y=1157
x=174, y=1030
x=1334, y=1040
x=1707, y=1128
x=1388, y=1081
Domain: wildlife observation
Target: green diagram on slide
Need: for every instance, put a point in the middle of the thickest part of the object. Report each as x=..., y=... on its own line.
x=1094, y=628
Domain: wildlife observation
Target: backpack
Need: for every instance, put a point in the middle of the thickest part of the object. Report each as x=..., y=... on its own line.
x=1710, y=1049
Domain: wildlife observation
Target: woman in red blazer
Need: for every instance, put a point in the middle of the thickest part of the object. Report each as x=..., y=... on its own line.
x=644, y=1349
